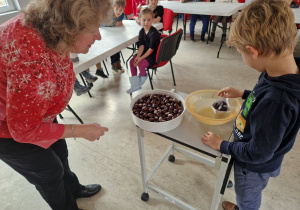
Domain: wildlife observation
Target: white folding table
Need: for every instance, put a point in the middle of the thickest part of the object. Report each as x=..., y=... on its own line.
x=114, y=39
x=296, y=12
x=188, y=134
x=203, y=8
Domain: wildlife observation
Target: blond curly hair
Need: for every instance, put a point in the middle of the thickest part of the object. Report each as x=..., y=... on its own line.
x=60, y=21
x=266, y=25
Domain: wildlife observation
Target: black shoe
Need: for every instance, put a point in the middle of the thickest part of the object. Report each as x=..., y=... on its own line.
x=192, y=37
x=88, y=191
x=202, y=37
x=212, y=37
x=100, y=73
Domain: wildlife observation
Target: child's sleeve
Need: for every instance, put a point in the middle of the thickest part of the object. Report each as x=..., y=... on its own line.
x=246, y=94
x=141, y=38
x=268, y=125
x=160, y=11
x=154, y=41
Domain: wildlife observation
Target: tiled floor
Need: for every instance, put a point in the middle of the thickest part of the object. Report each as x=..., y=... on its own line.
x=113, y=161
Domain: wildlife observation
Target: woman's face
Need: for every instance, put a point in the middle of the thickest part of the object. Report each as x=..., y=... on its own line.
x=85, y=40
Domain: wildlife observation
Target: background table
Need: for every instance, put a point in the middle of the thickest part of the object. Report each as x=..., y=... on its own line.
x=189, y=133
x=296, y=12
x=203, y=8
x=114, y=39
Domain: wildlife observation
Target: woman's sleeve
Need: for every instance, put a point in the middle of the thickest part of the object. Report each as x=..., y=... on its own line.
x=29, y=90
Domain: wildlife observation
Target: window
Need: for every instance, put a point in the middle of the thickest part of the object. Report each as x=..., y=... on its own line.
x=7, y=6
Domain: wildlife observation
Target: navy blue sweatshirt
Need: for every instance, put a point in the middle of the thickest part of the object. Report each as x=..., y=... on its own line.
x=267, y=125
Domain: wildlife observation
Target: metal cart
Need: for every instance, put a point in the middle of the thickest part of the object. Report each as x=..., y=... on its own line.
x=188, y=134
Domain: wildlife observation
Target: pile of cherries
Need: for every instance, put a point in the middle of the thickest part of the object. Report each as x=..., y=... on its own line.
x=157, y=108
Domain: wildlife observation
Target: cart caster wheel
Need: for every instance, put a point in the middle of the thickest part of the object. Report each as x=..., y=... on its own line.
x=172, y=158
x=145, y=197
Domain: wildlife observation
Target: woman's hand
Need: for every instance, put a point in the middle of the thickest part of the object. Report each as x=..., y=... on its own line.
x=230, y=92
x=137, y=60
x=212, y=140
x=90, y=132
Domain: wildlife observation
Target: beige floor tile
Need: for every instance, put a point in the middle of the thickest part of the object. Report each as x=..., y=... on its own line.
x=113, y=161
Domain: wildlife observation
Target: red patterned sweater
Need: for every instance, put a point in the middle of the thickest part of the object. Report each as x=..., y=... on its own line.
x=36, y=84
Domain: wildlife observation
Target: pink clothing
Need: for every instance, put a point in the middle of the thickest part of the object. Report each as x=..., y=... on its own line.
x=142, y=67
x=135, y=4
x=36, y=85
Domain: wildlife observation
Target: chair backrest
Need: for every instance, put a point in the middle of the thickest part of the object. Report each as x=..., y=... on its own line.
x=168, y=20
x=168, y=47
x=128, y=7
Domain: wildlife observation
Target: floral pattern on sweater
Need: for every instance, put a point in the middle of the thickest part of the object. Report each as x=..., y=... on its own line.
x=36, y=85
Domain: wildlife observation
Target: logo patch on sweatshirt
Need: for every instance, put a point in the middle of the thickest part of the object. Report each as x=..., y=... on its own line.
x=248, y=104
x=240, y=122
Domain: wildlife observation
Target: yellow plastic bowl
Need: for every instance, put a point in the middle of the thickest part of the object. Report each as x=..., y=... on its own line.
x=199, y=104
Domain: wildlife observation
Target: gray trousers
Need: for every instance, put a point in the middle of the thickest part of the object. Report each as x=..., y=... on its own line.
x=224, y=23
x=249, y=186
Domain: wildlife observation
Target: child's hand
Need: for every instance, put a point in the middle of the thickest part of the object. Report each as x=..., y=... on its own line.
x=119, y=23
x=137, y=21
x=230, y=92
x=212, y=140
x=137, y=60
x=139, y=7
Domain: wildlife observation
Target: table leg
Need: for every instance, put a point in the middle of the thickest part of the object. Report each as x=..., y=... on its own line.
x=184, y=25
x=140, y=135
x=172, y=157
x=223, y=177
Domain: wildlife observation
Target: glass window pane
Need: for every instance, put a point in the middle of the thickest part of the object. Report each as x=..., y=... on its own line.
x=3, y=3
x=7, y=6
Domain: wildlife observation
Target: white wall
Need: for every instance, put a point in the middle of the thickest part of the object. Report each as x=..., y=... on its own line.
x=7, y=16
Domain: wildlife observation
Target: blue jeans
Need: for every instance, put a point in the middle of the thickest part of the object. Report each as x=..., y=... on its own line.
x=205, y=21
x=249, y=185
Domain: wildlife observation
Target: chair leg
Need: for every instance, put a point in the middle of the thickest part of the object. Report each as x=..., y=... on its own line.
x=150, y=79
x=85, y=84
x=122, y=57
x=209, y=28
x=105, y=67
x=172, y=73
x=133, y=51
x=74, y=113
x=220, y=47
x=184, y=25
x=177, y=22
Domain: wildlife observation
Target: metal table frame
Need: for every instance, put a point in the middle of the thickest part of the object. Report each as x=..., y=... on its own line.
x=222, y=162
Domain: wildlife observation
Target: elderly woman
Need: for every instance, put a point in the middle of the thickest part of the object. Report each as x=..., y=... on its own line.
x=36, y=83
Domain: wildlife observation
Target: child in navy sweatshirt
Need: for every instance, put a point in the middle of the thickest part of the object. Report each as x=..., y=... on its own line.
x=268, y=122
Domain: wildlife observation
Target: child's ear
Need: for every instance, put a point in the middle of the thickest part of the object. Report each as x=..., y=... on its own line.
x=253, y=51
